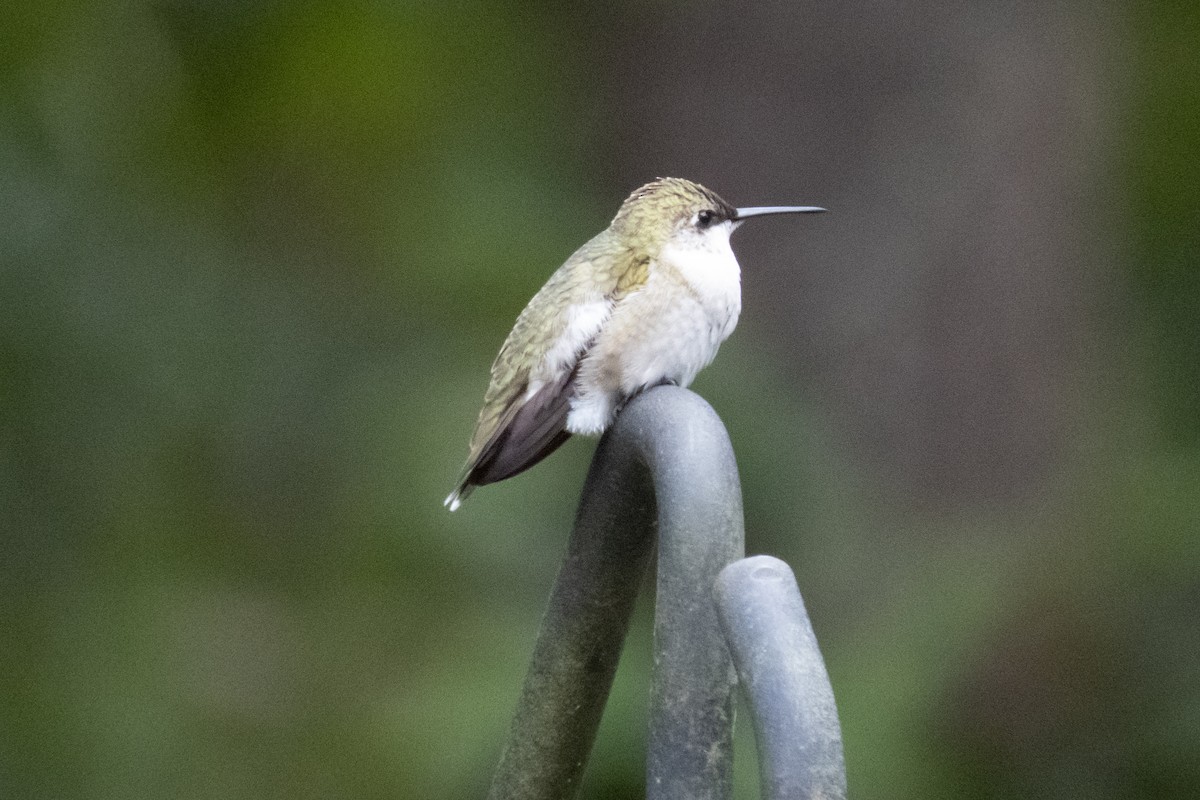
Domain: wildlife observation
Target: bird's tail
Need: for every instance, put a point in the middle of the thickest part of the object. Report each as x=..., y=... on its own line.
x=455, y=498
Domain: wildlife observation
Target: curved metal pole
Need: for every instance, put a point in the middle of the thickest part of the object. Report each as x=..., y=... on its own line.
x=700, y=530
x=666, y=464
x=784, y=680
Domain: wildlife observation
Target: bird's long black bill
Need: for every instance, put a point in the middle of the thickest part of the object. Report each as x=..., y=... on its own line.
x=762, y=211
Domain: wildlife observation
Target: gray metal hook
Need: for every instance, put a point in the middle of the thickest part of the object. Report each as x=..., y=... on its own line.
x=666, y=467
x=666, y=471
x=784, y=680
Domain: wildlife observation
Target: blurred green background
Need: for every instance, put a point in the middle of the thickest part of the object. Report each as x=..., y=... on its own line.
x=255, y=260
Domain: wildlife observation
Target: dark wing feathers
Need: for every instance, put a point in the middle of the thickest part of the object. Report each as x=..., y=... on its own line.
x=536, y=431
x=528, y=433
x=512, y=433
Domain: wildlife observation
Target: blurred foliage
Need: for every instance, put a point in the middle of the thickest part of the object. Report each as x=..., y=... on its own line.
x=254, y=261
x=1164, y=178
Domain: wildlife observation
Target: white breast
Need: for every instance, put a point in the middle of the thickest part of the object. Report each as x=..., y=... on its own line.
x=706, y=262
x=668, y=330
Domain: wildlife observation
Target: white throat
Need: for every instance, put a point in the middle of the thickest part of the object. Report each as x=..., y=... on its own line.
x=706, y=262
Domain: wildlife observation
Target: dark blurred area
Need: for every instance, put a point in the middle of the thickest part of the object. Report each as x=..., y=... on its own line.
x=255, y=260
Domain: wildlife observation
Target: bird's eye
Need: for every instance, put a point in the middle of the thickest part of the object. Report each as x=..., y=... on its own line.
x=705, y=218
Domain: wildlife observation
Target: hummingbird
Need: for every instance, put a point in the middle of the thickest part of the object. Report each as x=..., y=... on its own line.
x=646, y=301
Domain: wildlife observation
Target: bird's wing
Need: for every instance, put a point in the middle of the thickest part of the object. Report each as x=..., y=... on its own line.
x=525, y=408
